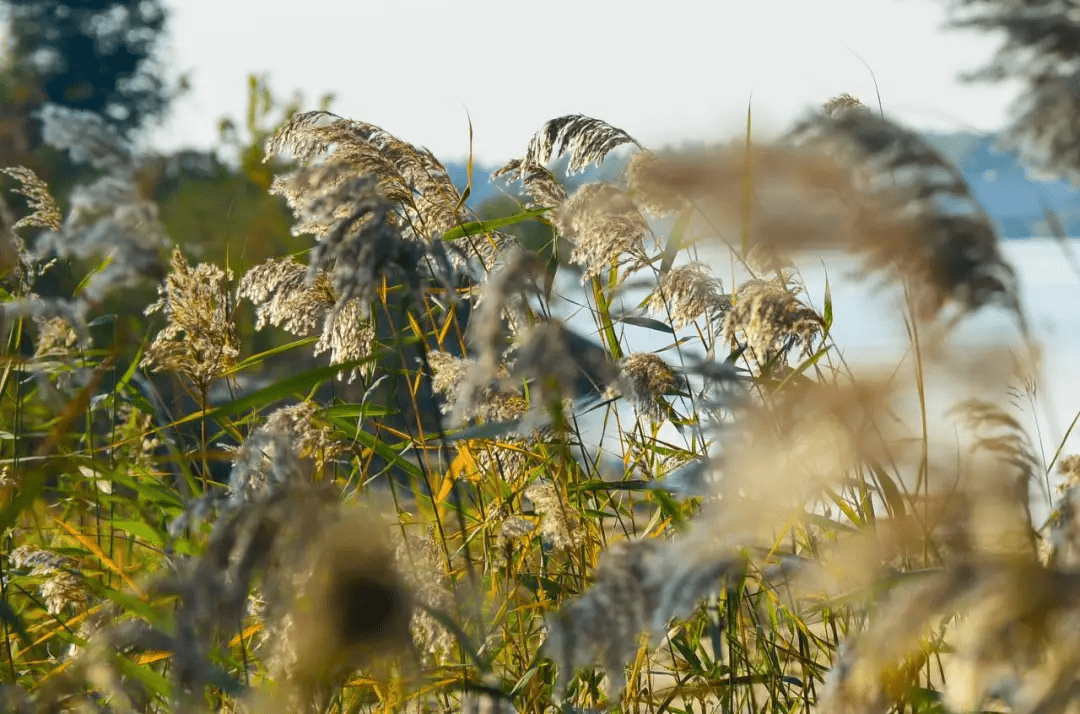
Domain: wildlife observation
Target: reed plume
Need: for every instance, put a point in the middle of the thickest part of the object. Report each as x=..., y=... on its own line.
x=283, y=297
x=420, y=559
x=44, y=213
x=559, y=523
x=605, y=228
x=493, y=402
x=408, y=176
x=687, y=293
x=922, y=219
x=333, y=598
x=645, y=379
x=653, y=183
x=848, y=178
x=771, y=321
x=586, y=140
x=638, y=588
x=199, y=338
x=543, y=188
x=61, y=585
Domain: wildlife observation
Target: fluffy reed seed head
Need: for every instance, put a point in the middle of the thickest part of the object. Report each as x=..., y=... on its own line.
x=199, y=338
x=467, y=400
x=654, y=184
x=421, y=561
x=348, y=334
x=771, y=321
x=644, y=379
x=354, y=607
x=44, y=211
x=332, y=597
x=43, y=310
x=310, y=439
x=62, y=587
x=286, y=295
x=851, y=179
x=559, y=523
x=843, y=103
x=638, y=588
x=543, y=188
x=359, y=243
x=486, y=250
x=915, y=213
x=687, y=293
x=448, y=372
x=515, y=528
x=587, y=140
x=408, y=176
x=510, y=458
x=605, y=228
x=283, y=297
x=108, y=218
x=266, y=462
x=56, y=337
x=500, y=303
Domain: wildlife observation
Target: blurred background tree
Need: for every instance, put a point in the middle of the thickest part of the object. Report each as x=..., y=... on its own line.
x=96, y=55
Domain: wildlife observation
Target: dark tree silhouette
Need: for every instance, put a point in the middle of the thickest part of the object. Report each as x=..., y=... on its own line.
x=98, y=55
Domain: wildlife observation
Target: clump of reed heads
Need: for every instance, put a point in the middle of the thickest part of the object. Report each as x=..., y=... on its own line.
x=353, y=608
x=653, y=182
x=543, y=188
x=849, y=179
x=1009, y=616
x=474, y=385
x=586, y=140
x=284, y=297
x=44, y=212
x=56, y=337
x=602, y=222
x=378, y=207
x=408, y=176
x=422, y=561
x=310, y=438
x=778, y=462
x=333, y=598
x=917, y=215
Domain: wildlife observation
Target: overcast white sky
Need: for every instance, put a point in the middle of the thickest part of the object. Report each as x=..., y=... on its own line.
x=664, y=70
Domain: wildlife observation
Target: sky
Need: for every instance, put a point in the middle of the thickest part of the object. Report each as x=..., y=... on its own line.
x=666, y=71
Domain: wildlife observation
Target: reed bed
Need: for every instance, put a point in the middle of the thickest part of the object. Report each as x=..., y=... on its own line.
x=427, y=522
